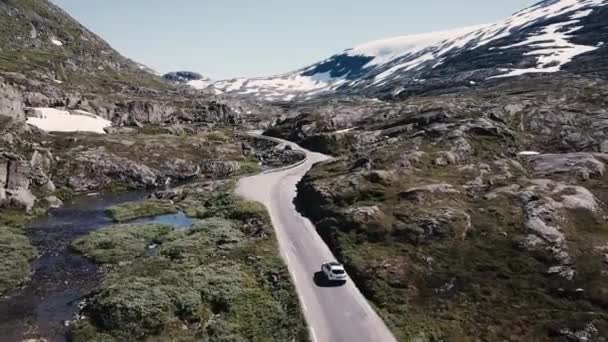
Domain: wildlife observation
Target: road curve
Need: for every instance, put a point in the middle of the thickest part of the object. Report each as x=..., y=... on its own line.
x=333, y=314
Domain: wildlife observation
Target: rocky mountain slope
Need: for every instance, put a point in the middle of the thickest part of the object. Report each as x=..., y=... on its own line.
x=48, y=59
x=479, y=215
x=45, y=43
x=548, y=37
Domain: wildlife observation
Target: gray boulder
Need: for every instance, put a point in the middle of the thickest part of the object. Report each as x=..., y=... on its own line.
x=11, y=101
x=604, y=146
x=180, y=169
x=445, y=158
x=53, y=202
x=381, y=177
x=120, y=130
x=19, y=172
x=365, y=214
x=440, y=224
x=220, y=168
x=7, y=138
x=441, y=188
x=3, y=173
x=581, y=165
x=540, y=218
x=21, y=199
x=37, y=100
x=3, y=198
x=41, y=159
x=95, y=169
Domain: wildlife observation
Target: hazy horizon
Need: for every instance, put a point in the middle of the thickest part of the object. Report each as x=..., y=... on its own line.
x=245, y=39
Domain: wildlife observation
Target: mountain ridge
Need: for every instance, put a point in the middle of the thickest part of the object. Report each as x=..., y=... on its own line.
x=546, y=37
x=45, y=43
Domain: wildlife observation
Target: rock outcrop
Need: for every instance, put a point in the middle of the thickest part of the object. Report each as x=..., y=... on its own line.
x=15, y=174
x=11, y=101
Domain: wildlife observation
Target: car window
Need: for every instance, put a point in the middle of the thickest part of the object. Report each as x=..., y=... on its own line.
x=338, y=271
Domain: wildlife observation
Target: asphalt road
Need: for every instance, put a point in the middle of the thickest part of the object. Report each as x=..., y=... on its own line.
x=333, y=314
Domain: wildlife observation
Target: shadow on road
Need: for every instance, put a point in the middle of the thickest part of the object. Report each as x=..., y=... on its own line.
x=321, y=281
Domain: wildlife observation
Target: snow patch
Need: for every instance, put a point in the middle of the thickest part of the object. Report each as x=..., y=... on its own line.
x=200, y=84
x=581, y=14
x=552, y=48
x=276, y=87
x=56, y=41
x=528, y=153
x=342, y=131
x=404, y=67
x=529, y=16
x=55, y=120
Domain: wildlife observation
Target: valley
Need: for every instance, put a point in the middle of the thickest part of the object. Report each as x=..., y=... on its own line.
x=459, y=176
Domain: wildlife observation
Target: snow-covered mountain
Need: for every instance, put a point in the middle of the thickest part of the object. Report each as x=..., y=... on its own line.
x=550, y=36
x=190, y=78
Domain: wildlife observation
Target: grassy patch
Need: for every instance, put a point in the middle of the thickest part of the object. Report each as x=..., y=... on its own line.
x=134, y=210
x=217, y=136
x=120, y=243
x=249, y=167
x=14, y=218
x=246, y=210
x=17, y=253
x=16, y=250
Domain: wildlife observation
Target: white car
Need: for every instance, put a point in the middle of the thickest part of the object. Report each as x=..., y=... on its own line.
x=334, y=271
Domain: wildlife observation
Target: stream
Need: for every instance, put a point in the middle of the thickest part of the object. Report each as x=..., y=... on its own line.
x=41, y=308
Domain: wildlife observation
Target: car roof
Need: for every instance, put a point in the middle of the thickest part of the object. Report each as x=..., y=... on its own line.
x=334, y=264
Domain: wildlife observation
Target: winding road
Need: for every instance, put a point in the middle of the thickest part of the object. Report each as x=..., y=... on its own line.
x=333, y=314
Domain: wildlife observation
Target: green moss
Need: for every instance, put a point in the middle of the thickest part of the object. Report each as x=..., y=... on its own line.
x=220, y=232
x=16, y=250
x=130, y=211
x=252, y=304
x=64, y=193
x=133, y=307
x=14, y=218
x=17, y=253
x=246, y=210
x=489, y=147
x=120, y=243
x=84, y=331
x=249, y=167
x=585, y=221
x=217, y=136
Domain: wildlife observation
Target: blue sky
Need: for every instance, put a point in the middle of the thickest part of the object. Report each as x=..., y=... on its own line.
x=231, y=38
